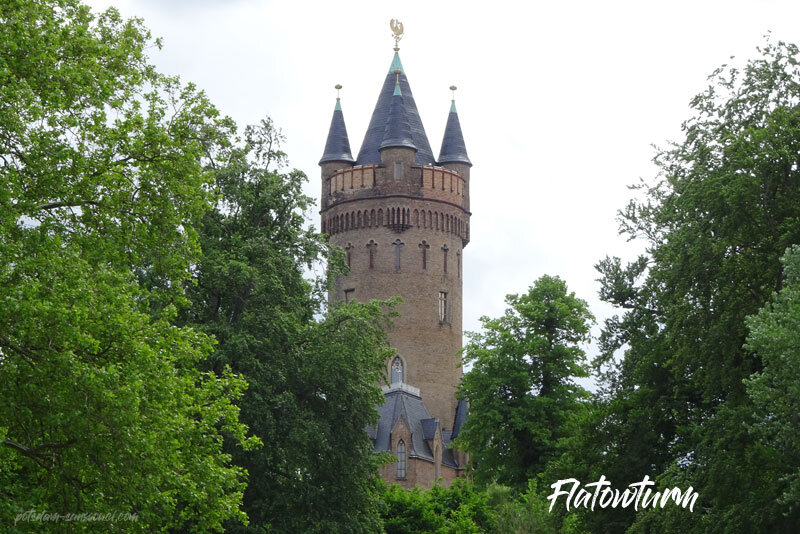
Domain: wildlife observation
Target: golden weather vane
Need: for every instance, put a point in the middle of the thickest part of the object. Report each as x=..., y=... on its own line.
x=397, y=30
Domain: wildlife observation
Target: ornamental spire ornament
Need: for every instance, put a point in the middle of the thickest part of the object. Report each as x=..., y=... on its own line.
x=397, y=30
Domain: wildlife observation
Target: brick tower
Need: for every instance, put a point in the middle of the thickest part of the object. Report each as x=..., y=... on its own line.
x=403, y=219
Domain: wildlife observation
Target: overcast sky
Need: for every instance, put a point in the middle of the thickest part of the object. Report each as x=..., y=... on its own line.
x=559, y=102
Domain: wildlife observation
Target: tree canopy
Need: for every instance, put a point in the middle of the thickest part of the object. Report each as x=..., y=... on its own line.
x=521, y=388
x=313, y=384
x=102, y=184
x=152, y=271
x=774, y=334
x=717, y=220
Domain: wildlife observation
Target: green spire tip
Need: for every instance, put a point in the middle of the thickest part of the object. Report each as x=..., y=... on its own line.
x=396, y=64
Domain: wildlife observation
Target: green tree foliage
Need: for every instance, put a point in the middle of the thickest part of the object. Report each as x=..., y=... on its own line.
x=463, y=508
x=718, y=218
x=460, y=508
x=409, y=512
x=103, y=408
x=775, y=391
x=313, y=385
x=521, y=389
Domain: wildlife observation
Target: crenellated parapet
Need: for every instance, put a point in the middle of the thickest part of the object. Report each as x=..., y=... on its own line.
x=352, y=179
x=443, y=184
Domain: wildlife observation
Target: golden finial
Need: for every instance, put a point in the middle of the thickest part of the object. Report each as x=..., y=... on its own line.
x=397, y=30
x=338, y=86
x=453, y=88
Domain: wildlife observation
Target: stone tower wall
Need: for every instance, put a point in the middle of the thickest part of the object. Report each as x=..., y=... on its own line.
x=426, y=208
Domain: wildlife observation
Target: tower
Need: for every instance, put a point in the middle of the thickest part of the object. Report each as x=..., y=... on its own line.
x=403, y=219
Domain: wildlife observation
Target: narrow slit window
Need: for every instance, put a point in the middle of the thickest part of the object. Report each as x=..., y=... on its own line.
x=442, y=306
x=348, y=250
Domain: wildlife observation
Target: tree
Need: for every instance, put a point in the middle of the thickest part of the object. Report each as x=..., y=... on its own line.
x=775, y=391
x=101, y=187
x=717, y=219
x=464, y=508
x=313, y=384
x=521, y=389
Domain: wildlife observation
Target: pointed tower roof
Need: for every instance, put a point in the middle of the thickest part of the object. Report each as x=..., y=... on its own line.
x=453, y=148
x=337, y=147
x=397, y=132
x=374, y=137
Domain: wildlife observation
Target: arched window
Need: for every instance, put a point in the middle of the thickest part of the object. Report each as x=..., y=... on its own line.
x=401, y=459
x=397, y=370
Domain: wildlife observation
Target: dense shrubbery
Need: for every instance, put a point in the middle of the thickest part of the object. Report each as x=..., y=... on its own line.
x=464, y=508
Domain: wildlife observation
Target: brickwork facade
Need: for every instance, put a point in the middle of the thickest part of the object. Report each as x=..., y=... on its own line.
x=403, y=220
x=404, y=231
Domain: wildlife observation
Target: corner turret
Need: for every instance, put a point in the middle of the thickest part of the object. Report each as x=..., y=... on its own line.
x=453, y=148
x=453, y=154
x=337, y=154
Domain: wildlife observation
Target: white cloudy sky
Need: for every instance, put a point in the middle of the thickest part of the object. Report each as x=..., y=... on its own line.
x=559, y=102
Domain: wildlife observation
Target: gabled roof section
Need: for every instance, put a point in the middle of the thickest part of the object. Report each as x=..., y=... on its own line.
x=401, y=404
x=369, y=153
x=453, y=148
x=337, y=147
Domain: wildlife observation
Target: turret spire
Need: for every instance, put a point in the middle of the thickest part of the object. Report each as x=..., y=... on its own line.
x=453, y=148
x=376, y=131
x=397, y=132
x=337, y=147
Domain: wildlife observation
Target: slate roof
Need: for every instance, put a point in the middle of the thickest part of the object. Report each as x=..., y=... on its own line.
x=337, y=147
x=369, y=153
x=447, y=454
x=399, y=403
x=429, y=428
x=461, y=413
x=398, y=130
x=453, y=148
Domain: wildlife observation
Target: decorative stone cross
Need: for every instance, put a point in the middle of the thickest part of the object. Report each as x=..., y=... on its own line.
x=347, y=249
x=424, y=246
x=372, y=246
